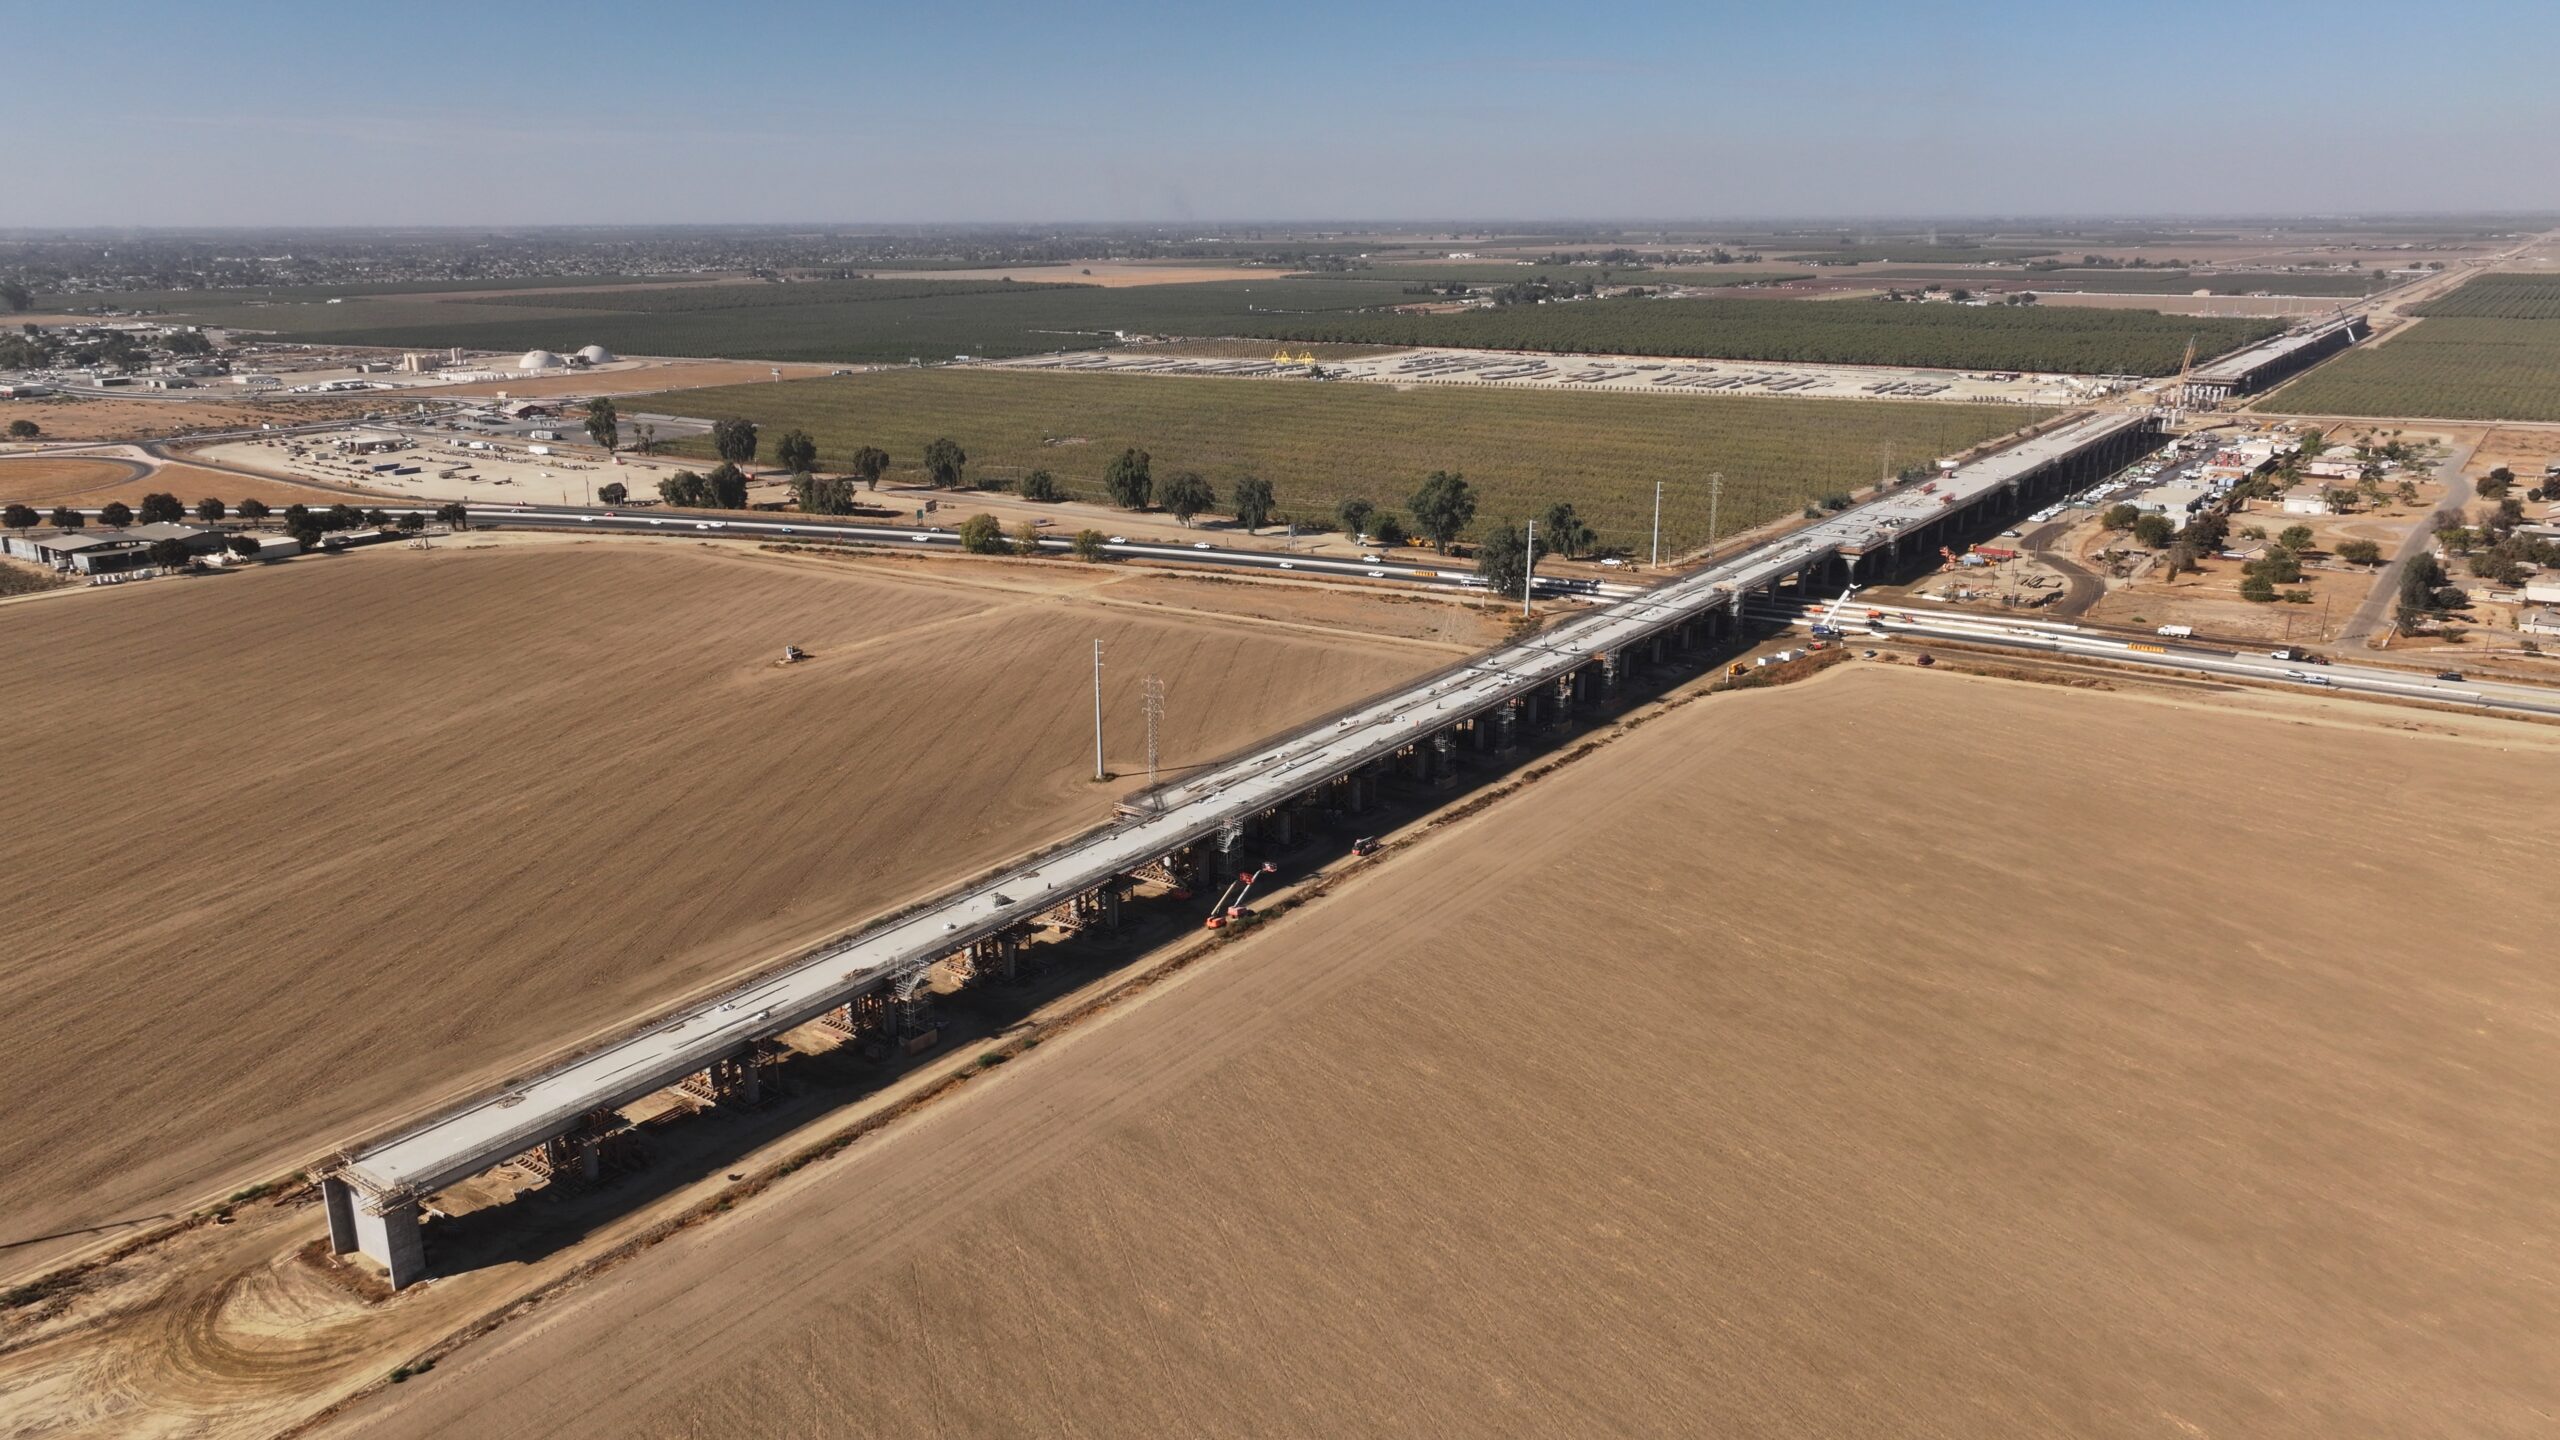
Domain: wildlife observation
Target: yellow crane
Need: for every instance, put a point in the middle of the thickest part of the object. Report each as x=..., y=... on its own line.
x=2178, y=392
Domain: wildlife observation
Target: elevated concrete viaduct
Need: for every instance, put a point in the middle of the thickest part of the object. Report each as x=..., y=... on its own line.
x=870, y=984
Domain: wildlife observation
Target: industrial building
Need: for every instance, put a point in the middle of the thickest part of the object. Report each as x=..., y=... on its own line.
x=105, y=552
x=2246, y=372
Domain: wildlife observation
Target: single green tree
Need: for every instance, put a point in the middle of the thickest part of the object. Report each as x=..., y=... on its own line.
x=210, y=510
x=66, y=518
x=1129, y=481
x=1502, y=557
x=870, y=463
x=796, y=452
x=1386, y=529
x=1186, y=495
x=983, y=535
x=253, y=510
x=1561, y=532
x=2119, y=517
x=244, y=546
x=684, y=488
x=1026, y=538
x=455, y=514
x=734, y=440
x=604, y=423
x=1443, y=508
x=2296, y=538
x=115, y=515
x=2153, y=530
x=1089, y=545
x=162, y=508
x=411, y=522
x=2358, y=552
x=1251, y=498
x=725, y=488
x=1042, y=486
x=1354, y=514
x=943, y=462
x=613, y=492
x=21, y=518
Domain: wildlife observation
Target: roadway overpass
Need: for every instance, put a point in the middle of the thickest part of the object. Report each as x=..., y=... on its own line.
x=866, y=982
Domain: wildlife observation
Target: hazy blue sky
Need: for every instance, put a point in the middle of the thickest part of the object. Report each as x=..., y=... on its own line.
x=354, y=112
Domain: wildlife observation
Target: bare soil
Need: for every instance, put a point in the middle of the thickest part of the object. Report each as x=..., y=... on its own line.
x=1885, y=1055
x=84, y=483
x=313, y=845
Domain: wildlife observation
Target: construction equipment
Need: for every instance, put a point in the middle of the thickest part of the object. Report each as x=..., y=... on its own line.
x=1828, y=627
x=1230, y=904
x=2178, y=391
x=792, y=654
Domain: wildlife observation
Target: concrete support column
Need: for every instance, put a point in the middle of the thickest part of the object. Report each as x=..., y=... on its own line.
x=339, y=1199
x=1283, y=832
x=1506, y=726
x=392, y=1240
x=590, y=1161
x=1111, y=906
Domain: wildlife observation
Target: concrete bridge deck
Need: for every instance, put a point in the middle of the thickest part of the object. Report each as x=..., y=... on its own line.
x=373, y=1190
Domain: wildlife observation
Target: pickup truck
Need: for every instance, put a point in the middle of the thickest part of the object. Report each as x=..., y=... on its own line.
x=2297, y=654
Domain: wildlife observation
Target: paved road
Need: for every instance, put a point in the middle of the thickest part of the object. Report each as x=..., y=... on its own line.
x=2201, y=658
x=2367, y=621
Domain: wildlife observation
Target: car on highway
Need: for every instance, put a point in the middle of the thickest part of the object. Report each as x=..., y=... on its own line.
x=1375, y=574
x=920, y=536
x=1373, y=559
x=2449, y=675
x=1119, y=540
x=1288, y=564
x=1202, y=545
x=1611, y=561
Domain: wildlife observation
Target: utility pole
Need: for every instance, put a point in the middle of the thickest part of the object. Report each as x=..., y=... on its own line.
x=1529, y=572
x=1097, y=710
x=1715, y=497
x=1657, y=526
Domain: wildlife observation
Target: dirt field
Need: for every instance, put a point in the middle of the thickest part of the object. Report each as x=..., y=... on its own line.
x=1883, y=1056
x=323, y=841
x=92, y=419
x=85, y=483
x=657, y=375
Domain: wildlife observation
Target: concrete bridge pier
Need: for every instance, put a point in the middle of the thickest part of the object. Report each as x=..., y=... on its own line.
x=1506, y=726
x=1282, y=831
x=388, y=1235
x=1443, y=755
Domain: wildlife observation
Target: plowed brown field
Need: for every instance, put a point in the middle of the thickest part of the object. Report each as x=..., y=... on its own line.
x=1894, y=1055
x=285, y=852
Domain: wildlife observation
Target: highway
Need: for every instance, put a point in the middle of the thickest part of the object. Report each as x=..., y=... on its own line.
x=1428, y=570
x=1902, y=622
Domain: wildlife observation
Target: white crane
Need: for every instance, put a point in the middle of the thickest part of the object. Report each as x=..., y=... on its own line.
x=1828, y=628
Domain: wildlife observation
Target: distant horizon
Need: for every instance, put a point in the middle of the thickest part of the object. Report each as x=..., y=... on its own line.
x=1338, y=224
x=301, y=114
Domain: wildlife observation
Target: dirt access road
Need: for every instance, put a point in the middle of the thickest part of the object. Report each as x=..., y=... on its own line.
x=1869, y=1057
x=331, y=838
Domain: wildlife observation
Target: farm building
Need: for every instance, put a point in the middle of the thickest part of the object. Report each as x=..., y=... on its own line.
x=2304, y=500
x=2538, y=622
